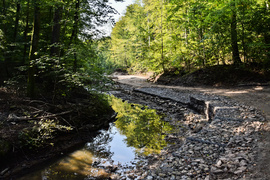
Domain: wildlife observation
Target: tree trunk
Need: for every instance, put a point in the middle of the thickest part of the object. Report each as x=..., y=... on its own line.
x=18, y=9
x=74, y=34
x=234, y=41
x=26, y=32
x=267, y=39
x=5, y=46
x=55, y=49
x=267, y=43
x=162, y=43
x=244, y=44
x=33, y=51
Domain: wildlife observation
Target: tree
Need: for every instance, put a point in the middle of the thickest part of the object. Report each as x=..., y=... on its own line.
x=187, y=35
x=33, y=50
x=58, y=29
x=234, y=39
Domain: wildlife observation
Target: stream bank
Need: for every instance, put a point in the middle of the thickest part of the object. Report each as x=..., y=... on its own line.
x=35, y=131
x=214, y=137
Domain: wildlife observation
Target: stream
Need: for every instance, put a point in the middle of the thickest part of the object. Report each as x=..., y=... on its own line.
x=138, y=131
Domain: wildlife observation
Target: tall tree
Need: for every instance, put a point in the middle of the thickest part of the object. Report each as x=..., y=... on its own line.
x=234, y=38
x=26, y=30
x=33, y=53
x=56, y=29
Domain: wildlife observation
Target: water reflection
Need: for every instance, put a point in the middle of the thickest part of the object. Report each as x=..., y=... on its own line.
x=78, y=165
x=138, y=130
x=142, y=127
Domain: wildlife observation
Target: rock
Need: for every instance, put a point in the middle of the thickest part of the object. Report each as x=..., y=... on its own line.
x=216, y=170
x=240, y=170
x=224, y=145
x=206, y=169
x=176, y=172
x=162, y=175
x=219, y=163
x=243, y=163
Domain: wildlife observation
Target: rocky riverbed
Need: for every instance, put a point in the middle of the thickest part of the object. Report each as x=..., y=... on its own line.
x=213, y=137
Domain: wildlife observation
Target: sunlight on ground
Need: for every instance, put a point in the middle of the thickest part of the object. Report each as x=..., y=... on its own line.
x=259, y=88
x=131, y=77
x=236, y=92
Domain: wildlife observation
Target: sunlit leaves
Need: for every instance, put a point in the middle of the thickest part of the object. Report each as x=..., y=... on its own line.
x=193, y=33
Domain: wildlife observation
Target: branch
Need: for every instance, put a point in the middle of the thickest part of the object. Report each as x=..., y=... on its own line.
x=13, y=117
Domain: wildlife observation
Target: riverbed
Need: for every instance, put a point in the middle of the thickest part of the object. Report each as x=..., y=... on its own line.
x=138, y=131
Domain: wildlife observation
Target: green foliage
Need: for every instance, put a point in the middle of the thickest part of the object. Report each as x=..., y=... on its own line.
x=61, y=35
x=40, y=133
x=163, y=35
x=55, y=77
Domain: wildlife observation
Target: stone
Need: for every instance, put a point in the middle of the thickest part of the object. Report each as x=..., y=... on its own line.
x=243, y=163
x=216, y=170
x=207, y=155
x=219, y=163
x=240, y=170
x=162, y=175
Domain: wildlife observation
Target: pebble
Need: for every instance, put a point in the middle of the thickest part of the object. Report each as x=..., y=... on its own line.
x=224, y=142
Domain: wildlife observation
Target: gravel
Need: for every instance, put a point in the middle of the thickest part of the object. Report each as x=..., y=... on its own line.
x=214, y=137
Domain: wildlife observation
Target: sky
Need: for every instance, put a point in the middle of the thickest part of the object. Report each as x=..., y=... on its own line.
x=120, y=7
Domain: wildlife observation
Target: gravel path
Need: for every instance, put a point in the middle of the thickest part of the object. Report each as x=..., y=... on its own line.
x=254, y=96
x=226, y=137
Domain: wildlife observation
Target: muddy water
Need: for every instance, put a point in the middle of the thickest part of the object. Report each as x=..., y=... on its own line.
x=138, y=131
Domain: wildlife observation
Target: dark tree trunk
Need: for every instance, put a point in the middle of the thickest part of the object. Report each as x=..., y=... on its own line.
x=6, y=58
x=33, y=51
x=55, y=49
x=234, y=41
x=18, y=9
x=244, y=44
x=75, y=26
x=74, y=35
x=26, y=29
x=267, y=42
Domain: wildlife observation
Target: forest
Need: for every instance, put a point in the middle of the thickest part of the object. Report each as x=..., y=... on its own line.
x=164, y=35
x=55, y=62
x=62, y=41
x=50, y=40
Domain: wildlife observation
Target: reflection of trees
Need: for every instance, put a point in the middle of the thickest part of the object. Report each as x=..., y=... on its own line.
x=143, y=127
x=99, y=147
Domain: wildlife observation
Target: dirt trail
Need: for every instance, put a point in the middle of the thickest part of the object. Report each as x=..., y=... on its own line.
x=253, y=96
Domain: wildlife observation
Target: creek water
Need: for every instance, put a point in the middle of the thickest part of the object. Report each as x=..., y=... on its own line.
x=138, y=131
